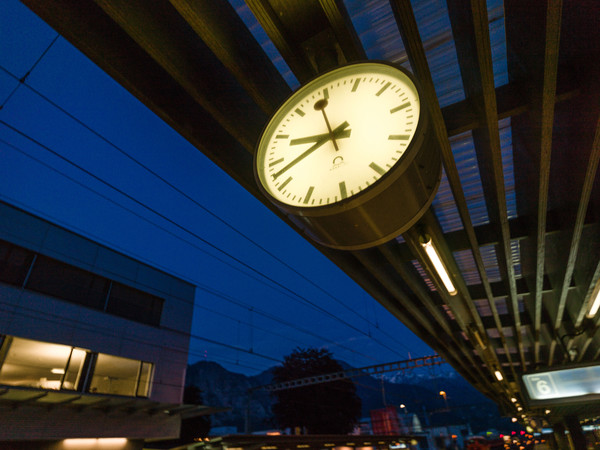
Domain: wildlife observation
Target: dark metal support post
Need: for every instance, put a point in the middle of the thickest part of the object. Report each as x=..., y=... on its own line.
x=577, y=437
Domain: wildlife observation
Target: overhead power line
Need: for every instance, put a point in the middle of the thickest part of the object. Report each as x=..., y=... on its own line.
x=192, y=233
x=212, y=291
x=205, y=209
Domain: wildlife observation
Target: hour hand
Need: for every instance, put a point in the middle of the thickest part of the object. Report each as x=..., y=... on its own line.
x=324, y=138
x=317, y=137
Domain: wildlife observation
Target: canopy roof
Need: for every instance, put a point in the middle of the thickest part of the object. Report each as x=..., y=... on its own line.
x=513, y=90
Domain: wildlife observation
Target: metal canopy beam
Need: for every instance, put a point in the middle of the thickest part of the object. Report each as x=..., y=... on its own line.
x=416, y=54
x=471, y=36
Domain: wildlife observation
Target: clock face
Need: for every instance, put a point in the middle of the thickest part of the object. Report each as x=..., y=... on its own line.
x=338, y=135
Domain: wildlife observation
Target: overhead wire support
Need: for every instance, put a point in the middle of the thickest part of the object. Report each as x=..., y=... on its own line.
x=408, y=364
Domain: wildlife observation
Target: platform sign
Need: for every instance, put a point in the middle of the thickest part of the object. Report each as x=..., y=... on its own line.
x=566, y=383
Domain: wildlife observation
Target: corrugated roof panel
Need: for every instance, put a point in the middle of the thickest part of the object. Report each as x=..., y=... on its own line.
x=445, y=208
x=450, y=314
x=466, y=264
x=377, y=30
x=265, y=42
x=505, y=128
x=515, y=251
x=463, y=149
x=483, y=308
x=493, y=333
x=498, y=41
x=436, y=34
x=490, y=262
x=501, y=305
x=423, y=274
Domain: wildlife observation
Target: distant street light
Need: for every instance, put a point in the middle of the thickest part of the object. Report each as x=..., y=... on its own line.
x=403, y=407
x=443, y=394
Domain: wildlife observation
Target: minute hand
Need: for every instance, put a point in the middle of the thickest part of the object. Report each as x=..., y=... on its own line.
x=318, y=137
x=311, y=149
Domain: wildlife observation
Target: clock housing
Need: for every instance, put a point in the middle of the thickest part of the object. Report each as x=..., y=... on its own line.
x=349, y=156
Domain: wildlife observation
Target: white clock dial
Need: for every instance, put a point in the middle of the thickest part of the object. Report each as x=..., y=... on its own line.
x=338, y=135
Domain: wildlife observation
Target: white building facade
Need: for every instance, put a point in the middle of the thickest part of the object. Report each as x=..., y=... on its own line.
x=93, y=344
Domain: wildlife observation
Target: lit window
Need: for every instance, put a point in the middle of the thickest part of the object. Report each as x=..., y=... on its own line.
x=145, y=380
x=44, y=365
x=119, y=376
x=41, y=364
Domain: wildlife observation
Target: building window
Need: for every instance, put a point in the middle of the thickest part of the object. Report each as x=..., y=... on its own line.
x=115, y=375
x=134, y=304
x=145, y=379
x=29, y=363
x=67, y=282
x=14, y=263
x=40, y=364
x=121, y=376
x=57, y=279
x=49, y=276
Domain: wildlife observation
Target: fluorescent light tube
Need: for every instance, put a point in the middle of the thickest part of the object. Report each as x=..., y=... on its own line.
x=435, y=259
x=594, y=301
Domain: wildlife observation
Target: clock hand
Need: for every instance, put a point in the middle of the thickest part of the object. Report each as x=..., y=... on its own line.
x=317, y=137
x=320, y=105
x=322, y=140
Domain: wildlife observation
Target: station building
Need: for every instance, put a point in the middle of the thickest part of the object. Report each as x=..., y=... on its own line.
x=93, y=344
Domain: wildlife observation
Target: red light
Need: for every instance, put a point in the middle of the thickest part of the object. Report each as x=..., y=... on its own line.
x=513, y=432
x=501, y=435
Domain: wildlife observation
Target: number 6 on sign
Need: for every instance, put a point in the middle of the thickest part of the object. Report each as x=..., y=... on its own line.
x=543, y=387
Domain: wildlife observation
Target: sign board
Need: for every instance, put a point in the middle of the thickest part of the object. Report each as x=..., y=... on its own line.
x=385, y=421
x=563, y=384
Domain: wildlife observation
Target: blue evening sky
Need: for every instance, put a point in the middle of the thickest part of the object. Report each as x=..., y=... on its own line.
x=78, y=150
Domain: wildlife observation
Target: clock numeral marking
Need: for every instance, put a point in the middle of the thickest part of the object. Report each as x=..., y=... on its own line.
x=299, y=112
x=355, y=85
x=382, y=90
x=308, y=194
x=325, y=93
x=277, y=161
x=398, y=108
x=343, y=191
x=282, y=136
x=284, y=184
x=397, y=137
x=377, y=168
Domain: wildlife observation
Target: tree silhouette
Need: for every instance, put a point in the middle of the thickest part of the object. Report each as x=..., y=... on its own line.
x=198, y=426
x=325, y=408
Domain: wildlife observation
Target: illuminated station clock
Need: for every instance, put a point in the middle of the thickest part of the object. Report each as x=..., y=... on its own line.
x=349, y=157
